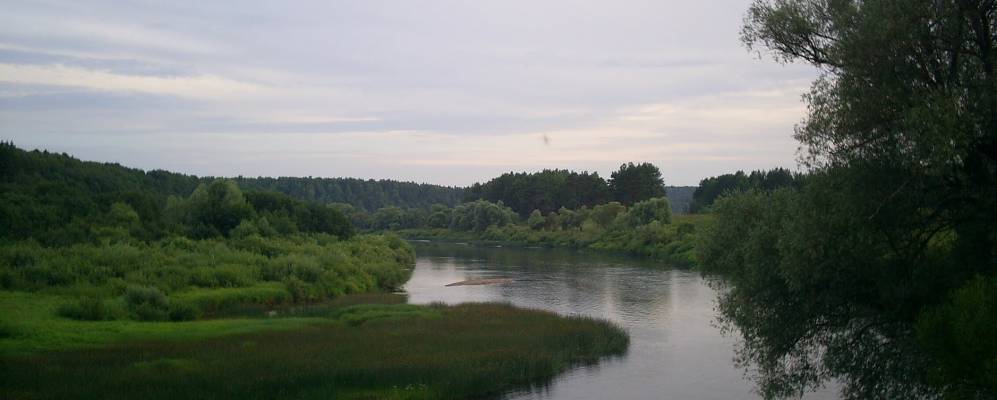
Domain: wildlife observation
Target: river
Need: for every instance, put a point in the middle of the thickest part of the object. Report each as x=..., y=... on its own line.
x=676, y=351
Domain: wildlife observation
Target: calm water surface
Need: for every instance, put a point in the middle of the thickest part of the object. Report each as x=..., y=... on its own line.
x=676, y=352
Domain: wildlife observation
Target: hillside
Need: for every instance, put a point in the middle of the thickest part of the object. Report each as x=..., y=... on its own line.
x=680, y=197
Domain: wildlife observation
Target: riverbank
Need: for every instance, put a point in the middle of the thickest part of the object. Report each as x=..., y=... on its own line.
x=673, y=243
x=306, y=316
x=375, y=350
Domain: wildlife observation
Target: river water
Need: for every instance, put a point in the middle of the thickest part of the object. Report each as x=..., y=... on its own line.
x=676, y=351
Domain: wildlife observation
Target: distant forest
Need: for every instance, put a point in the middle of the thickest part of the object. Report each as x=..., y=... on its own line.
x=367, y=194
x=59, y=200
x=52, y=169
x=42, y=190
x=552, y=189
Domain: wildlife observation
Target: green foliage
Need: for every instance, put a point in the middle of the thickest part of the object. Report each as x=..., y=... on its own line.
x=207, y=275
x=536, y=220
x=439, y=217
x=710, y=189
x=960, y=335
x=605, y=214
x=547, y=190
x=359, y=314
x=648, y=211
x=671, y=242
x=297, y=216
x=60, y=200
x=365, y=351
x=811, y=302
x=212, y=210
x=480, y=215
x=399, y=218
x=848, y=277
x=92, y=308
x=147, y=303
x=364, y=195
x=633, y=183
x=215, y=300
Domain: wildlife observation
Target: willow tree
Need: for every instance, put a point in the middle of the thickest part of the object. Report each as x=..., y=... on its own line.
x=881, y=272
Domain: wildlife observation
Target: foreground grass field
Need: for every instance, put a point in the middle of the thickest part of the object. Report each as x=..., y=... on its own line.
x=373, y=350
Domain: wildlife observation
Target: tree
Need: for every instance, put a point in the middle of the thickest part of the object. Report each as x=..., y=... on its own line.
x=387, y=218
x=479, y=215
x=536, y=220
x=547, y=190
x=644, y=212
x=439, y=216
x=605, y=214
x=214, y=209
x=636, y=182
x=712, y=188
x=863, y=273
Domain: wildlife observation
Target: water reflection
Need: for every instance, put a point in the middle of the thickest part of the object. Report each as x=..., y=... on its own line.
x=675, y=352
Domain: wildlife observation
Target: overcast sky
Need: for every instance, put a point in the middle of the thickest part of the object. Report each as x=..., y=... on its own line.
x=448, y=92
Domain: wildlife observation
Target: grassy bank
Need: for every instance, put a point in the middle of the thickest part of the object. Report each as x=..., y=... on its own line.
x=300, y=316
x=339, y=350
x=673, y=242
x=181, y=279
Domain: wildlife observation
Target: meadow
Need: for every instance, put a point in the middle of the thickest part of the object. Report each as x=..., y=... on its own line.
x=301, y=315
x=378, y=348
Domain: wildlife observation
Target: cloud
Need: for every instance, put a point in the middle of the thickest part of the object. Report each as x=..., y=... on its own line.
x=194, y=87
x=440, y=91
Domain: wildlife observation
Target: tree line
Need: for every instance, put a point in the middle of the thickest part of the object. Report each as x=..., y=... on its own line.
x=59, y=200
x=712, y=188
x=367, y=194
x=553, y=189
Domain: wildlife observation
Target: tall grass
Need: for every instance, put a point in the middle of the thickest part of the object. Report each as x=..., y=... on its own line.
x=180, y=279
x=362, y=351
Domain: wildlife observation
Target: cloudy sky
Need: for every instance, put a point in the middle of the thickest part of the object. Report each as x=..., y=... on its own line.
x=448, y=92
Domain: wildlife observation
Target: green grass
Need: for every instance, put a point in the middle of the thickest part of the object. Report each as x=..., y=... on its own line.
x=339, y=351
x=218, y=300
x=32, y=325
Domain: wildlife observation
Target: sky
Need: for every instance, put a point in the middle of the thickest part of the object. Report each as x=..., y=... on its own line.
x=445, y=92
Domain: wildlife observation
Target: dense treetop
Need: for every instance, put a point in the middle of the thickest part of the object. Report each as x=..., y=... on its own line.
x=552, y=189
x=59, y=200
x=712, y=188
x=547, y=190
x=367, y=194
x=881, y=271
x=636, y=182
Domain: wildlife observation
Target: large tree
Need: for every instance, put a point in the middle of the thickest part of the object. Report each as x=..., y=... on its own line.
x=636, y=182
x=882, y=271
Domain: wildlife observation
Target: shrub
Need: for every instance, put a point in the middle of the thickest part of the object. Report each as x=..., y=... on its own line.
x=181, y=311
x=147, y=303
x=91, y=308
x=297, y=288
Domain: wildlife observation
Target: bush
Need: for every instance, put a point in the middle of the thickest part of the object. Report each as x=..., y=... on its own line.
x=147, y=303
x=297, y=288
x=648, y=211
x=91, y=308
x=180, y=311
